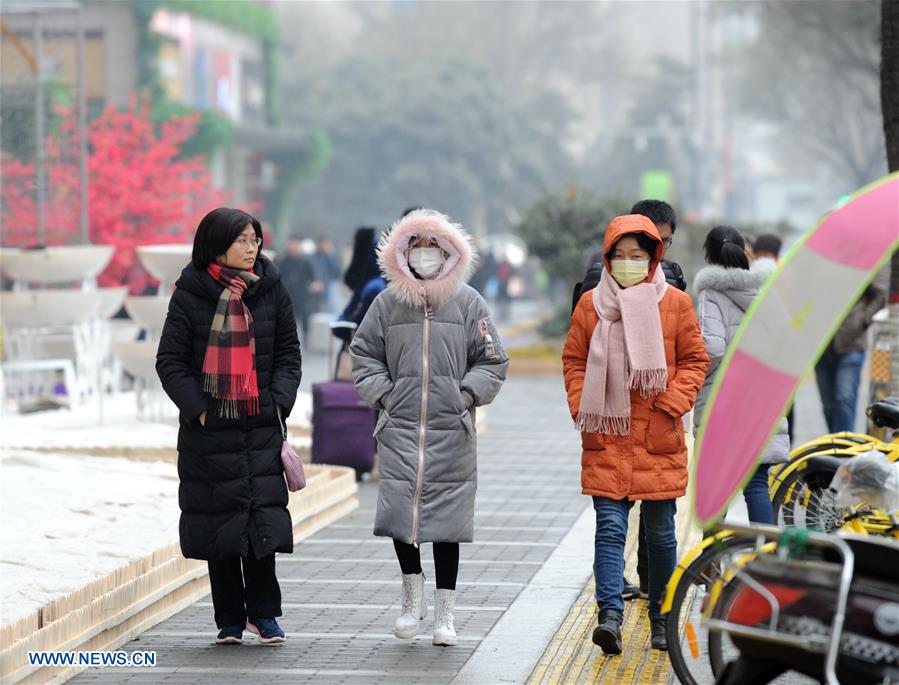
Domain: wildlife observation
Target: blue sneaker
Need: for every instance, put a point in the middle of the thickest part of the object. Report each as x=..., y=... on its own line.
x=267, y=629
x=230, y=635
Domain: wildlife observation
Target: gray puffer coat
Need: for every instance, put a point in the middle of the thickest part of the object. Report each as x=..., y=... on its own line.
x=425, y=355
x=724, y=296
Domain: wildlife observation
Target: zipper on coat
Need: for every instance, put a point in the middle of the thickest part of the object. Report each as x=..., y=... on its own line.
x=423, y=421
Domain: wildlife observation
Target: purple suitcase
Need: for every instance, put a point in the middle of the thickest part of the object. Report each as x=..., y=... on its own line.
x=342, y=427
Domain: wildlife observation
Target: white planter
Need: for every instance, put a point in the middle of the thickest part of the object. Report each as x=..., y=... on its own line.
x=138, y=358
x=148, y=311
x=36, y=308
x=55, y=265
x=165, y=262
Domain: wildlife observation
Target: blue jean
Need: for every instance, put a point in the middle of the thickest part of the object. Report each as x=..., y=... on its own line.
x=838, y=377
x=608, y=554
x=758, y=501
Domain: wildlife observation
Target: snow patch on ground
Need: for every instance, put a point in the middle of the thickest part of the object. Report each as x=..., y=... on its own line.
x=79, y=428
x=69, y=518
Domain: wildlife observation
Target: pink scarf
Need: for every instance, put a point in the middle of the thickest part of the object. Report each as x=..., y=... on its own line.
x=627, y=352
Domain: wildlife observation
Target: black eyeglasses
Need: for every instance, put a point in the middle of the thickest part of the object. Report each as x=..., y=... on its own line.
x=667, y=241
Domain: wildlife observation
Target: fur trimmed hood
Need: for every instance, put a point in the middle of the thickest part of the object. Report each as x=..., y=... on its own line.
x=451, y=237
x=719, y=278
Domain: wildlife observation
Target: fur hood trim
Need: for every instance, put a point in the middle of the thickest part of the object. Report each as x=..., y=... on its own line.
x=719, y=278
x=451, y=237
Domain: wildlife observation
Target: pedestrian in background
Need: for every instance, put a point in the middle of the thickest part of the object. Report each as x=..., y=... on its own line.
x=484, y=271
x=767, y=246
x=363, y=278
x=504, y=273
x=297, y=275
x=327, y=272
x=425, y=356
x=229, y=358
x=838, y=372
x=725, y=290
x=634, y=361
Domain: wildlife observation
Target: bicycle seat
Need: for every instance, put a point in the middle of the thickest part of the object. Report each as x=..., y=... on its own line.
x=885, y=413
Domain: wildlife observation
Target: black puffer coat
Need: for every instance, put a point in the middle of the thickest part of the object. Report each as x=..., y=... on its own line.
x=232, y=484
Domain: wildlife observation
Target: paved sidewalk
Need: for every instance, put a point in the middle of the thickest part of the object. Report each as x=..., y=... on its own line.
x=341, y=587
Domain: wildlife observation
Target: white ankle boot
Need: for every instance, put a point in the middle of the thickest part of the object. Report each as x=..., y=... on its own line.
x=444, y=605
x=414, y=607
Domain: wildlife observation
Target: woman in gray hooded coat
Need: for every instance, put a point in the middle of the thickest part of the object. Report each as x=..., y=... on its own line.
x=726, y=289
x=425, y=356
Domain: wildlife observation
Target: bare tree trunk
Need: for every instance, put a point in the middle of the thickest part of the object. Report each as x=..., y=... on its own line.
x=889, y=102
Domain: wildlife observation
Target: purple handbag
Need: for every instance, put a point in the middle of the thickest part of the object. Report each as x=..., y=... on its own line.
x=293, y=467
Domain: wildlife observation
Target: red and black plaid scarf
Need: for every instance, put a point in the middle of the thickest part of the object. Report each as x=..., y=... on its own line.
x=229, y=369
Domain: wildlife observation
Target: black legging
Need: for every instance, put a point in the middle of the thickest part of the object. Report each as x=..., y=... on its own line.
x=446, y=561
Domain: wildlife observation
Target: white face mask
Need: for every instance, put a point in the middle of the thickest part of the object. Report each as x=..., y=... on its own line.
x=629, y=272
x=427, y=261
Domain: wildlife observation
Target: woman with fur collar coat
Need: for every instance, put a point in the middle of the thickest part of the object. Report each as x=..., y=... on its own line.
x=726, y=289
x=425, y=355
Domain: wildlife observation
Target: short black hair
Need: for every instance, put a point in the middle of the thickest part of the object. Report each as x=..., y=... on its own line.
x=725, y=246
x=216, y=232
x=646, y=243
x=769, y=243
x=657, y=211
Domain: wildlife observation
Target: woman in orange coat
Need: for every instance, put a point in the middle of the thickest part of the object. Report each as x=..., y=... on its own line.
x=634, y=362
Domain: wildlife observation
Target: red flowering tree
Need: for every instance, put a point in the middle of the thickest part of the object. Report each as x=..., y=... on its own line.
x=139, y=191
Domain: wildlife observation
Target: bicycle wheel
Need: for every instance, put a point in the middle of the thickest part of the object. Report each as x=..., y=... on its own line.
x=697, y=655
x=805, y=500
x=776, y=477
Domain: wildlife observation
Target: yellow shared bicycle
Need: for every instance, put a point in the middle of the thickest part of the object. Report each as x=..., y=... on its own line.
x=800, y=488
x=697, y=654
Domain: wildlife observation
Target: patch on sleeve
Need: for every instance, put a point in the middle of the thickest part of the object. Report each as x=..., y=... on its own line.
x=492, y=346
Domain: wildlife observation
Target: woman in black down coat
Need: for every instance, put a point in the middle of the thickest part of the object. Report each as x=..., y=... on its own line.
x=230, y=359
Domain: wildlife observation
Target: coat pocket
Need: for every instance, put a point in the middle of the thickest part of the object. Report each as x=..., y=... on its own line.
x=665, y=433
x=467, y=423
x=591, y=442
x=383, y=418
x=385, y=400
x=210, y=416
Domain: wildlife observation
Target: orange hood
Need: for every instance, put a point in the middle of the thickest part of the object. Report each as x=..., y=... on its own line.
x=620, y=226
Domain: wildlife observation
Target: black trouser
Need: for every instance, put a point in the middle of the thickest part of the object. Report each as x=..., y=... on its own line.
x=253, y=594
x=642, y=555
x=446, y=561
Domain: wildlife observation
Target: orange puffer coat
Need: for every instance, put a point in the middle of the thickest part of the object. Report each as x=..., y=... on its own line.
x=651, y=462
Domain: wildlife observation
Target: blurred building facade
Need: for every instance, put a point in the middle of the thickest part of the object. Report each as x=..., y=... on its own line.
x=218, y=58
